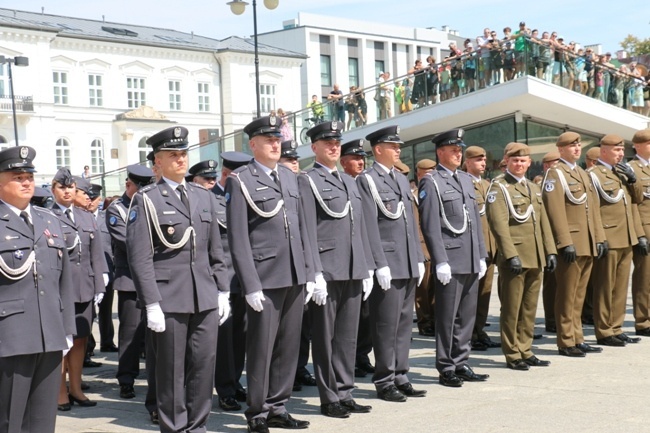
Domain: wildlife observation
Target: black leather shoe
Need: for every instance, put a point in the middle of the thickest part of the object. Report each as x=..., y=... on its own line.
x=611, y=341
x=427, y=332
x=108, y=349
x=229, y=404
x=240, y=393
x=408, y=390
x=257, y=425
x=353, y=407
x=479, y=345
x=572, y=352
x=305, y=379
x=286, y=421
x=83, y=403
x=643, y=332
x=489, y=343
x=358, y=372
x=85, y=386
x=467, y=374
x=518, y=364
x=588, y=321
x=155, y=419
x=626, y=338
x=534, y=361
x=334, y=410
x=449, y=378
x=127, y=391
x=296, y=386
x=537, y=336
x=391, y=393
x=589, y=349
x=89, y=363
x=366, y=366
x=551, y=329
x=64, y=407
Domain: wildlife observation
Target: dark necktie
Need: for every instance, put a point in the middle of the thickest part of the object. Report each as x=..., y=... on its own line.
x=336, y=174
x=391, y=173
x=276, y=178
x=68, y=213
x=184, y=199
x=25, y=218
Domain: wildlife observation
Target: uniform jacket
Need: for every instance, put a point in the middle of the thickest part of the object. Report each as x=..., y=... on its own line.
x=573, y=224
x=116, y=217
x=37, y=311
x=340, y=246
x=394, y=243
x=643, y=181
x=265, y=250
x=220, y=197
x=620, y=221
x=481, y=188
x=106, y=243
x=181, y=280
x=87, y=257
x=464, y=251
x=531, y=240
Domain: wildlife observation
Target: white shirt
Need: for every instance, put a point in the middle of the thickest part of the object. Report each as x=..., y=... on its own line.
x=17, y=211
x=267, y=170
x=64, y=209
x=383, y=167
x=173, y=185
x=447, y=170
x=604, y=163
x=519, y=179
x=572, y=165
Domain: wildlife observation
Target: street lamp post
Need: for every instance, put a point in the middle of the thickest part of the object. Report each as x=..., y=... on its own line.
x=238, y=7
x=18, y=61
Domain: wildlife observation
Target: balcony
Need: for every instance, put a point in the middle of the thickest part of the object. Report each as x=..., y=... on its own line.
x=24, y=104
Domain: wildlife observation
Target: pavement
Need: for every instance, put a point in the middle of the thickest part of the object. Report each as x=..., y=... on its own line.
x=606, y=392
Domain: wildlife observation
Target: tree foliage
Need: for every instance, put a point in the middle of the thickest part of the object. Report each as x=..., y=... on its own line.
x=635, y=46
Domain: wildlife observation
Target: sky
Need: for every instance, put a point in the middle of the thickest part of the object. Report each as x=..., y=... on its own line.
x=587, y=23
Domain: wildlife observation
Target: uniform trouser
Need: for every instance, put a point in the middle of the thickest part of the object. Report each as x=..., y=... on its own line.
x=425, y=300
x=455, y=315
x=105, y=318
x=334, y=336
x=272, y=344
x=519, y=297
x=641, y=291
x=588, y=306
x=611, y=278
x=150, y=402
x=569, y=299
x=29, y=387
x=231, y=349
x=364, y=339
x=483, y=303
x=185, y=356
x=305, y=341
x=549, y=290
x=130, y=337
x=391, y=323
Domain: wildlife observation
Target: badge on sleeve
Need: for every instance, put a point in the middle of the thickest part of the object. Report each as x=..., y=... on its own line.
x=492, y=197
x=112, y=221
x=227, y=197
x=133, y=215
x=549, y=186
x=423, y=194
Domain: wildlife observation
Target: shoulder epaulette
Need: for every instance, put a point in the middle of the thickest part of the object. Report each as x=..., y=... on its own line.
x=147, y=188
x=198, y=185
x=43, y=209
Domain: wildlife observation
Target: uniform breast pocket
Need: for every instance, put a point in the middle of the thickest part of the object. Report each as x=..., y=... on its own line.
x=292, y=201
x=206, y=221
x=172, y=227
x=55, y=252
x=15, y=252
x=450, y=203
x=266, y=202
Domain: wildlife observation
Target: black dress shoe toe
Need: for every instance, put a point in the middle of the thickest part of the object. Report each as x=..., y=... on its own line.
x=366, y=366
x=229, y=404
x=518, y=364
x=89, y=363
x=358, y=372
x=257, y=425
x=296, y=386
x=427, y=332
x=306, y=379
x=64, y=407
x=537, y=336
x=626, y=338
x=240, y=394
x=83, y=403
x=551, y=329
x=334, y=410
x=588, y=321
x=391, y=393
x=286, y=421
x=479, y=345
x=586, y=348
x=108, y=349
x=127, y=391
x=408, y=390
x=643, y=332
x=353, y=407
x=534, y=361
x=155, y=419
x=467, y=374
x=611, y=341
x=572, y=352
x=449, y=378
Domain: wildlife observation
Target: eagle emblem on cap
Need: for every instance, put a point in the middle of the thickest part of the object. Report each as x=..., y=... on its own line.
x=294, y=144
x=177, y=132
x=397, y=129
x=335, y=126
x=272, y=120
x=211, y=163
x=24, y=152
x=461, y=132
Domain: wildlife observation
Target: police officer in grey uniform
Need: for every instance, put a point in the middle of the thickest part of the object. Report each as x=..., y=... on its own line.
x=178, y=268
x=36, y=303
x=132, y=326
x=451, y=225
x=344, y=266
x=388, y=212
x=272, y=258
x=231, y=346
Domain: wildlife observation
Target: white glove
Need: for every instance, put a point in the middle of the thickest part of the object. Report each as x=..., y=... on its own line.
x=320, y=289
x=309, y=288
x=383, y=277
x=367, y=284
x=224, y=306
x=105, y=275
x=443, y=272
x=69, y=341
x=255, y=300
x=155, y=318
x=99, y=297
x=421, y=271
x=482, y=269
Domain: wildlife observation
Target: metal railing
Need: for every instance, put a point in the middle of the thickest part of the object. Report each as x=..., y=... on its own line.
x=23, y=103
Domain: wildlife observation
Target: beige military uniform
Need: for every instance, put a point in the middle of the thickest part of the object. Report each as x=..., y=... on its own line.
x=573, y=210
x=518, y=220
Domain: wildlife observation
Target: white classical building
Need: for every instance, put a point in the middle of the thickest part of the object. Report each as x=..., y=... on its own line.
x=94, y=91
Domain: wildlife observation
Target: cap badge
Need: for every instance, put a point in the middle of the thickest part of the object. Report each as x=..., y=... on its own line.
x=177, y=132
x=294, y=144
x=211, y=163
x=272, y=120
x=24, y=152
x=335, y=125
x=397, y=129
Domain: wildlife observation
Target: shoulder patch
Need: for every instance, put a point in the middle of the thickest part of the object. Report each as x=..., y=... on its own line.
x=112, y=220
x=133, y=215
x=423, y=194
x=227, y=197
x=549, y=186
x=491, y=197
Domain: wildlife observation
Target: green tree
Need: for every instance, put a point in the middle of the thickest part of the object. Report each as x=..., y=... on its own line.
x=635, y=46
